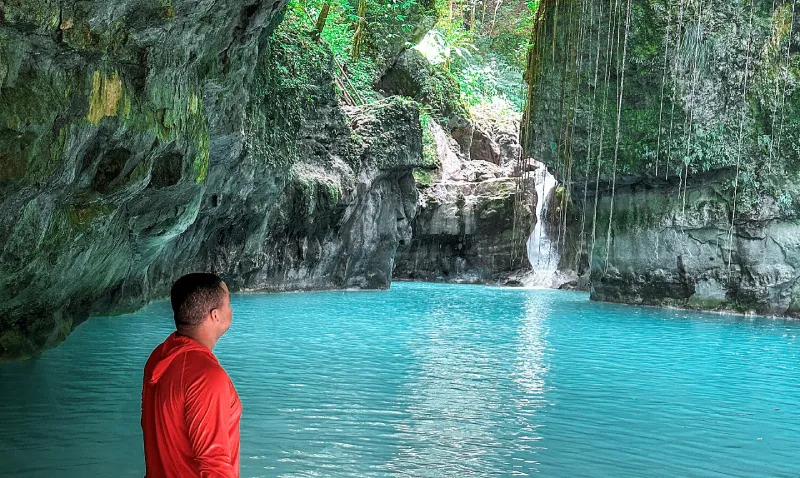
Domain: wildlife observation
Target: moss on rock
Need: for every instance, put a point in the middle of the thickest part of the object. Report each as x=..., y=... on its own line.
x=415, y=77
x=686, y=107
x=107, y=97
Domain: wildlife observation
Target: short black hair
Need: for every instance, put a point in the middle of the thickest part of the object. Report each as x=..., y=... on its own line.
x=193, y=296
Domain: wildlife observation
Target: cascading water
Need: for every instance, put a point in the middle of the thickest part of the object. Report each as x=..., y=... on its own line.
x=542, y=248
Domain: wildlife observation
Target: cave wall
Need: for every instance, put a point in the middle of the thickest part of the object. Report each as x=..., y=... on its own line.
x=686, y=114
x=140, y=141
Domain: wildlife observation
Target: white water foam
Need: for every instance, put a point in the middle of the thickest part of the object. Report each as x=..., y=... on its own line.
x=542, y=249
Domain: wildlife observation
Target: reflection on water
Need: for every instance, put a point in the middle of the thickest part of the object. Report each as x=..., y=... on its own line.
x=434, y=380
x=530, y=374
x=454, y=406
x=531, y=359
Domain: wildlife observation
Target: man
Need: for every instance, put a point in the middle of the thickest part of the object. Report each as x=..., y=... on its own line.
x=190, y=409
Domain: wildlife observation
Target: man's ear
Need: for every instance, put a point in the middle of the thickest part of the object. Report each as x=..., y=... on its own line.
x=215, y=315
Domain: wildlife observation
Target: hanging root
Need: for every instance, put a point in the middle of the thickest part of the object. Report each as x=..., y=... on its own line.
x=619, y=120
x=776, y=146
x=678, y=35
x=587, y=161
x=741, y=138
x=532, y=72
x=602, y=128
x=688, y=129
x=661, y=108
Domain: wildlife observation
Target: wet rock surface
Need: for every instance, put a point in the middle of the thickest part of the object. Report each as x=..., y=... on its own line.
x=665, y=252
x=474, y=219
x=693, y=146
x=135, y=148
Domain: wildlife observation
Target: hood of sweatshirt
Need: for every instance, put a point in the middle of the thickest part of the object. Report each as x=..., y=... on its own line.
x=166, y=353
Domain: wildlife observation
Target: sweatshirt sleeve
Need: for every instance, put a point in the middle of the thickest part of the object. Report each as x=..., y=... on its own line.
x=208, y=415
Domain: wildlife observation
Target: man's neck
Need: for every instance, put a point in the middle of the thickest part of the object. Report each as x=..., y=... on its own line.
x=198, y=336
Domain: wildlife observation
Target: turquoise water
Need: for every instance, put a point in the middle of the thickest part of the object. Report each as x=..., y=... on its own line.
x=434, y=381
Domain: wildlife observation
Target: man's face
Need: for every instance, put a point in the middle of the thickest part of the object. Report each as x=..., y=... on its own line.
x=225, y=311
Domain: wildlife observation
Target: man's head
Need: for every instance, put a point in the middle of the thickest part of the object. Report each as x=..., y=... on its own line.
x=201, y=301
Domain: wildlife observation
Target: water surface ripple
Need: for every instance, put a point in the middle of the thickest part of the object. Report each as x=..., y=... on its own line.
x=435, y=381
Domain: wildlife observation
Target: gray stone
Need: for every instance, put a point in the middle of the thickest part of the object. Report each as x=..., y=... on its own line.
x=664, y=253
x=484, y=148
x=473, y=222
x=415, y=77
x=139, y=146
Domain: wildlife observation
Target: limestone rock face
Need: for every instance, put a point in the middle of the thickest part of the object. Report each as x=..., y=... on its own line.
x=465, y=232
x=484, y=148
x=335, y=222
x=665, y=252
x=496, y=137
x=412, y=75
x=137, y=146
x=387, y=35
x=688, y=120
x=473, y=222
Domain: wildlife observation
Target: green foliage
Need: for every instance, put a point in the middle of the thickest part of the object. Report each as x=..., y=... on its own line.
x=785, y=202
x=428, y=173
x=482, y=77
x=438, y=92
x=287, y=84
x=441, y=46
x=484, y=45
x=429, y=156
x=706, y=149
x=424, y=177
x=337, y=34
x=391, y=11
x=490, y=79
x=386, y=21
x=303, y=15
x=485, y=54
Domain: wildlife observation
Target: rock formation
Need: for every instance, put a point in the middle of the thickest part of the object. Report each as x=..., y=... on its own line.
x=138, y=145
x=476, y=215
x=684, y=115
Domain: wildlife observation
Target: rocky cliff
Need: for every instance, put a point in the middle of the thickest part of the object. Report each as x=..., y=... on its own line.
x=674, y=127
x=476, y=201
x=140, y=141
x=476, y=209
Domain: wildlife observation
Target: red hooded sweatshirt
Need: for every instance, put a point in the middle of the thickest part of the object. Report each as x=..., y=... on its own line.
x=190, y=413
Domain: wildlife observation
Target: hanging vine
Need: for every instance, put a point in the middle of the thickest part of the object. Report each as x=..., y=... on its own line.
x=674, y=100
x=607, y=77
x=688, y=127
x=741, y=135
x=663, y=85
x=619, y=120
x=531, y=75
x=777, y=143
x=588, y=160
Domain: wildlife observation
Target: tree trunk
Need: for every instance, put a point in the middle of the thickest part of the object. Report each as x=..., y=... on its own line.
x=358, y=36
x=322, y=19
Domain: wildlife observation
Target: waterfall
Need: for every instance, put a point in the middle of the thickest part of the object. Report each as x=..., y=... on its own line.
x=542, y=247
